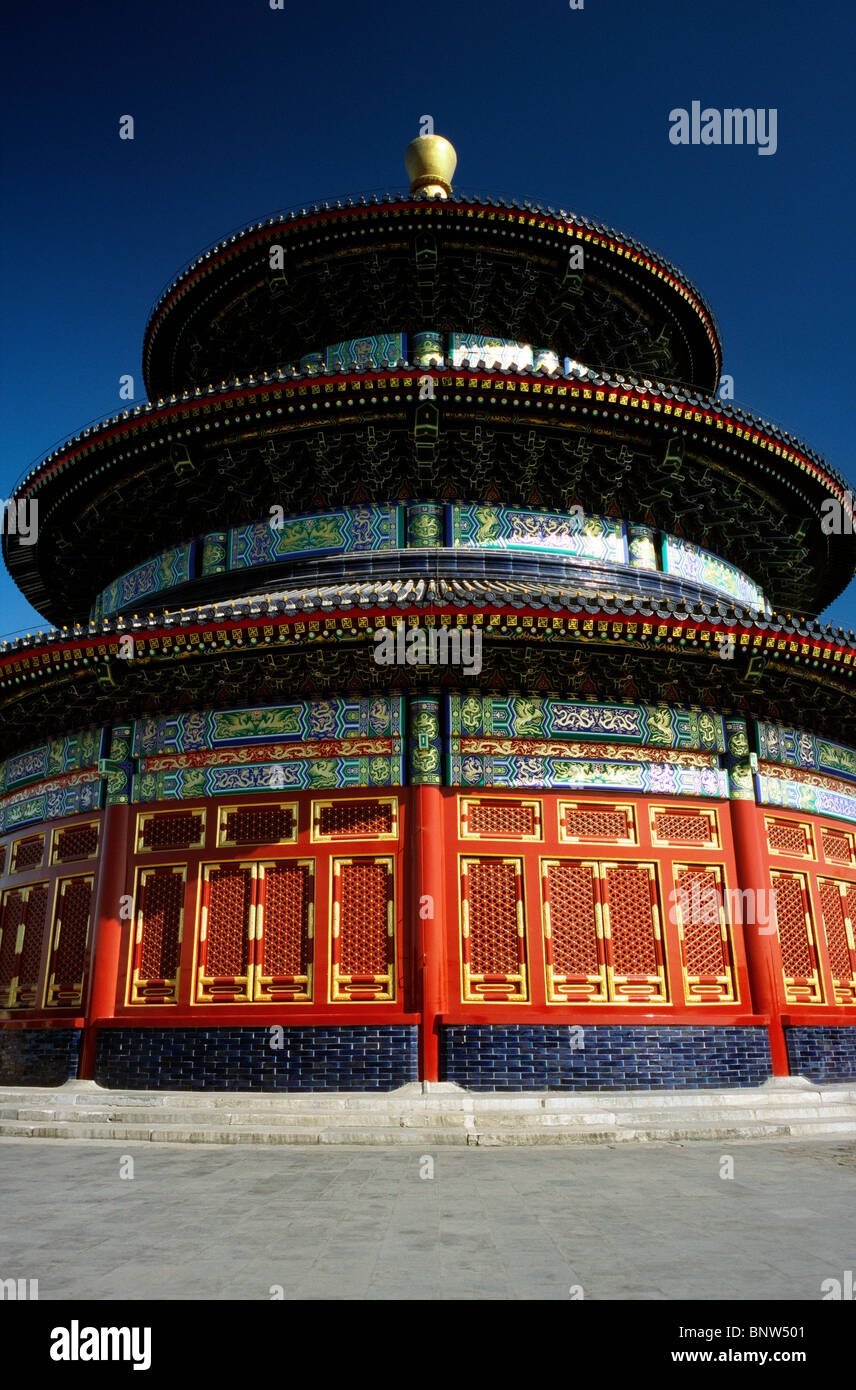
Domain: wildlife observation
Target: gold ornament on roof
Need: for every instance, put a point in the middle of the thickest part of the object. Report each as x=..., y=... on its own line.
x=430, y=161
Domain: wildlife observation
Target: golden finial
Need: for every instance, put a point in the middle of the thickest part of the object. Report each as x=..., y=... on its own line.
x=430, y=162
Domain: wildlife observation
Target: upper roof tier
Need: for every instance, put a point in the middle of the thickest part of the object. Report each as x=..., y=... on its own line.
x=398, y=262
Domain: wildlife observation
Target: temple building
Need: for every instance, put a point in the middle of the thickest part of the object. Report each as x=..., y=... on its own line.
x=435, y=689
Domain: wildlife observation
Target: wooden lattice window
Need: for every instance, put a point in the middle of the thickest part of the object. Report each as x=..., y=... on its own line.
x=838, y=908
x=596, y=822
x=27, y=853
x=226, y=917
x=285, y=928
x=75, y=842
x=499, y=818
x=796, y=938
x=789, y=837
x=707, y=956
x=70, y=938
x=271, y=823
x=156, y=952
x=170, y=830
x=2, y=859
x=637, y=968
x=22, y=932
x=683, y=825
x=493, y=936
x=837, y=846
x=574, y=946
x=362, y=946
x=360, y=818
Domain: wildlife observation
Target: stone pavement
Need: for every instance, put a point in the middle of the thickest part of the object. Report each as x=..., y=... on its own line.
x=655, y=1221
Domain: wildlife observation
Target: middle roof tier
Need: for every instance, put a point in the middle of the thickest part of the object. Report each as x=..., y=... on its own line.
x=702, y=469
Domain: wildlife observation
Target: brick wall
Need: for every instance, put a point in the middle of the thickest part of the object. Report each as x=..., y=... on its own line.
x=822, y=1054
x=514, y=1057
x=378, y=1058
x=39, y=1056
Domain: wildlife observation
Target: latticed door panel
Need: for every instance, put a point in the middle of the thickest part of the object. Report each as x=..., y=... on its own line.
x=157, y=938
x=632, y=928
x=24, y=993
x=70, y=938
x=22, y=931
x=362, y=944
x=225, y=934
x=707, y=954
x=493, y=936
x=796, y=939
x=10, y=924
x=574, y=947
x=838, y=905
x=285, y=931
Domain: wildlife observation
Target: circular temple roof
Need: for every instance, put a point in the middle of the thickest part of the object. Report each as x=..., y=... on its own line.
x=542, y=638
x=721, y=478
x=234, y=430
x=407, y=262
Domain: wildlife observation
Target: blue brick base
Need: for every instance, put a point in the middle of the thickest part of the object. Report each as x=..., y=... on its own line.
x=39, y=1056
x=822, y=1054
x=242, y=1059
x=614, y=1057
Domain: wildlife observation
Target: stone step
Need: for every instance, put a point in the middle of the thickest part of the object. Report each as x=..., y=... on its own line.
x=425, y=1137
x=445, y=1101
x=207, y=1119
x=677, y=1132
x=642, y=1135
x=443, y=1114
x=416, y=1115
x=225, y=1134
x=381, y=1128
x=189, y=1100
x=806, y=1114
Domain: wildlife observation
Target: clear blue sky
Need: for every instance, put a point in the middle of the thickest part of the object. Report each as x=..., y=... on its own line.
x=241, y=110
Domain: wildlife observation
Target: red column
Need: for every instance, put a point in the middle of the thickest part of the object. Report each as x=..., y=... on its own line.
x=427, y=811
x=106, y=950
x=762, y=954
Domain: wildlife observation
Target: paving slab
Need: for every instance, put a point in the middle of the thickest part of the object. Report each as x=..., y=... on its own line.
x=653, y=1222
